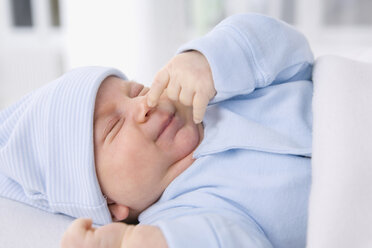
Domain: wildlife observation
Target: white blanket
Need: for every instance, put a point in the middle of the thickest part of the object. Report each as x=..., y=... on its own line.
x=25, y=226
x=340, y=213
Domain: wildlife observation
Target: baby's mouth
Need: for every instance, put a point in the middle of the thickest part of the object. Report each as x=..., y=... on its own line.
x=165, y=124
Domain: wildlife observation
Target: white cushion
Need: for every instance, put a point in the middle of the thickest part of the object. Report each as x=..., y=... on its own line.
x=24, y=226
x=340, y=213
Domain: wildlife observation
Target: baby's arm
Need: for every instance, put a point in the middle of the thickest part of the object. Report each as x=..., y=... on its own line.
x=242, y=53
x=250, y=51
x=115, y=235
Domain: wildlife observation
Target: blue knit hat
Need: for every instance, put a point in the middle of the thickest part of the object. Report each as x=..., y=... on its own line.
x=46, y=147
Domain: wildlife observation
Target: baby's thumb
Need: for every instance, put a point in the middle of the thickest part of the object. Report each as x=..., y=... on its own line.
x=85, y=224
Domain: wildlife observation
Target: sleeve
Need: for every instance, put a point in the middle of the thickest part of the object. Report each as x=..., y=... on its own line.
x=249, y=51
x=211, y=230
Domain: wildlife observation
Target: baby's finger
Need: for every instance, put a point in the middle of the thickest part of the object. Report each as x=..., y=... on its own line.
x=200, y=104
x=144, y=91
x=160, y=82
x=186, y=96
x=81, y=224
x=173, y=91
x=76, y=233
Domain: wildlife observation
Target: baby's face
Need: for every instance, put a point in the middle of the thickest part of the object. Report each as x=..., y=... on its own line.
x=139, y=150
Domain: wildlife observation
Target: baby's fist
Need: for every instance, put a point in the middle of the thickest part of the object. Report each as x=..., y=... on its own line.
x=81, y=234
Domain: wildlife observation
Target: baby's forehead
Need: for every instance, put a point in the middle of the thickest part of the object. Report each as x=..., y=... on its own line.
x=110, y=87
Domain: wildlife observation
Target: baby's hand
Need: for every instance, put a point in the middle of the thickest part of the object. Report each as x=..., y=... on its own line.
x=81, y=234
x=187, y=78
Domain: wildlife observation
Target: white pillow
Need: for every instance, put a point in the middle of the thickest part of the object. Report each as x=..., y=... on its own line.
x=365, y=56
x=25, y=226
x=340, y=211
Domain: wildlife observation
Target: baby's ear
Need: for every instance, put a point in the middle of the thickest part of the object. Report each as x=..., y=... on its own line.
x=118, y=212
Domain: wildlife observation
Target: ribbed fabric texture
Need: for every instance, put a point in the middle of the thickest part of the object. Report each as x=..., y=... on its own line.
x=46, y=147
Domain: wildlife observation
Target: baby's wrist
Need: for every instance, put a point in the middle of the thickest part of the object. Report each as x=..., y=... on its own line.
x=128, y=233
x=143, y=236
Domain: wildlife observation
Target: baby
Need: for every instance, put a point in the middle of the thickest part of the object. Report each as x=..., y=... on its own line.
x=241, y=178
x=244, y=185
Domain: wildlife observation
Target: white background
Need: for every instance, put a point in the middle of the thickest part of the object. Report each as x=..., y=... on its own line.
x=140, y=36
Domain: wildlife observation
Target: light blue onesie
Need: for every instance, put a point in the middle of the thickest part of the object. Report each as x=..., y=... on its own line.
x=249, y=186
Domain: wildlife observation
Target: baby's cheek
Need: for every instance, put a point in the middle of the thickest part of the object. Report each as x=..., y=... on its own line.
x=187, y=139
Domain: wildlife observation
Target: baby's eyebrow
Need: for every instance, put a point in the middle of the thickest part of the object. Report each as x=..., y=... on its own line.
x=112, y=120
x=101, y=121
x=101, y=113
x=106, y=113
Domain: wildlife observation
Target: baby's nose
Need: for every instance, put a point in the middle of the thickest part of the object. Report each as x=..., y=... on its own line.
x=143, y=111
